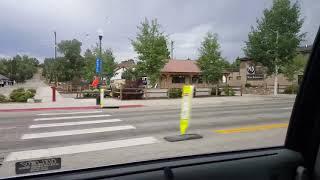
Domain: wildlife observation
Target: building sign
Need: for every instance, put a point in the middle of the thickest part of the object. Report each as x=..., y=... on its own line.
x=251, y=69
x=252, y=74
x=255, y=77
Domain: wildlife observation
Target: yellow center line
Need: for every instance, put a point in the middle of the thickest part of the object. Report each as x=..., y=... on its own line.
x=251, y=128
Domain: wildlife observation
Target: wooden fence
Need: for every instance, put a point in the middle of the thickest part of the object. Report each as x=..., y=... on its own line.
x=145, y=93
x=281, y=88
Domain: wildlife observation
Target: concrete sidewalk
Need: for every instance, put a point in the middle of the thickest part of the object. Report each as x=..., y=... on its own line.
x=91, y=103
x=45, y=94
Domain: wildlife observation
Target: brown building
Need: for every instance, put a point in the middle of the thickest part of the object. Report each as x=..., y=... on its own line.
x=176, y=73
x=252, y=74
x=255, y=74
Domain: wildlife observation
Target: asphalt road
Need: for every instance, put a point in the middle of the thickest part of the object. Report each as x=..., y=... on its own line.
x=113, y=136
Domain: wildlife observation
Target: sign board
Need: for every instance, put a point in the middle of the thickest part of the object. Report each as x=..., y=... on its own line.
x=255, y=77
x=253, y=74
x=98, y=65
x=251, y=69
x=187, y=94
x=32, y=166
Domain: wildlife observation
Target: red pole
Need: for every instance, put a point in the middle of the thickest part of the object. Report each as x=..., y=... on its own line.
x=53, y=94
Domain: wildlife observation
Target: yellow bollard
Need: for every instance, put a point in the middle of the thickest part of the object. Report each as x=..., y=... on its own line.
x=101, y=97
x=187, y=94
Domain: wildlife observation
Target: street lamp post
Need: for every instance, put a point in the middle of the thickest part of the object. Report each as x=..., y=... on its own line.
x=100, y=34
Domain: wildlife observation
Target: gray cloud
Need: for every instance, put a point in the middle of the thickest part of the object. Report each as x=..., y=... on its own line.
x=27, y=26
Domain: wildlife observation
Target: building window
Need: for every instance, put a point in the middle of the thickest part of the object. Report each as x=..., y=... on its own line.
x=230, y=78
x=238, y=77
x=194, y=79
x=178, y=79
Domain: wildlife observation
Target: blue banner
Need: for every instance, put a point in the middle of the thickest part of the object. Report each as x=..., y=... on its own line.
x=98, y=65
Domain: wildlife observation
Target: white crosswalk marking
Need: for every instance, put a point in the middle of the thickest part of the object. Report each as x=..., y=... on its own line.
x=58, y=151
x=73, y=123
x=75, y=132
x=70, y=113
x=70, y=117
x=84, y=120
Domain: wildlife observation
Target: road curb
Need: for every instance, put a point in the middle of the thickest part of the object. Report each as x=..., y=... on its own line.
x=70, y=108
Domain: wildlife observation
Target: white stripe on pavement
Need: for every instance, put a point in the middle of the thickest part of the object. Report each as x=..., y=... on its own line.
x=66, y=113
x=70, y=117
x=287, y=108
x=73, y=123
x=75, y=132
x=58, y=151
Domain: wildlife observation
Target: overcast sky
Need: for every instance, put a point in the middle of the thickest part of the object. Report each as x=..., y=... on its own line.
x=26, y=26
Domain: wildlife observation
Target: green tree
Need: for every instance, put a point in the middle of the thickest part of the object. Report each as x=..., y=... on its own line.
x=19, y=68
x=108, y=62
x=4, y=66
x=210, y=61
x=235, y=64
x=277, y=35
x=152, y=50
x=130, y=74
x=71, y=50
x=295, y=68
x=89, y=69
x=56, y=69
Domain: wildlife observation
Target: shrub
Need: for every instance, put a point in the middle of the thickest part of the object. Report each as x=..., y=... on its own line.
x=33, y=91
x=247, y=85
x=3, y=98
x=90, y=93
x=228, y=91
x=175, y=92
x=213, y=91
x=20, y=95
x=292, y=89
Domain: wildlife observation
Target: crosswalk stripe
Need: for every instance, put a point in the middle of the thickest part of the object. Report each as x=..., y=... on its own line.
x=70, y=117
x=75, y=132
x=68, y=113
x=73, y=123
x=58, y=151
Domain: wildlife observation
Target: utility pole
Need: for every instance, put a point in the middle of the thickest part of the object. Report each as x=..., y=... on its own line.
x=275, y=86
x=172, y=49
x=55, y=45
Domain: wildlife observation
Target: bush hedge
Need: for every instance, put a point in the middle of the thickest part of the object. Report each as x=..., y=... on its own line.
x=3, y=98
x=90, y=93
x=228, y=91
x=21, y=95
x=33, y=91
x=175, y=93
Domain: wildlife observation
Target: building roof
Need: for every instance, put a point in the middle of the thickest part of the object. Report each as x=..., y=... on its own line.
x=181, y=66
x=2, y=77
x=245, y=59
x=127, y=64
